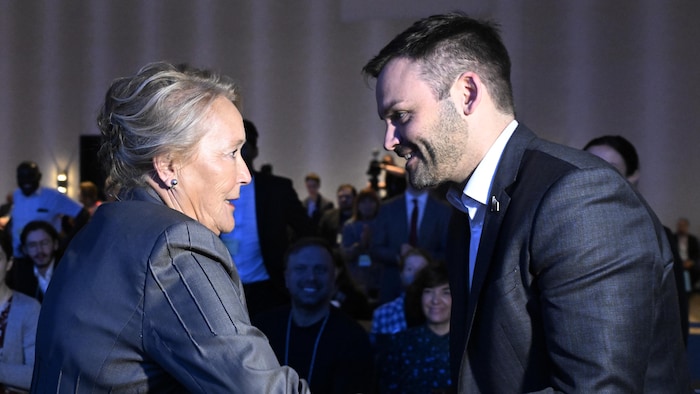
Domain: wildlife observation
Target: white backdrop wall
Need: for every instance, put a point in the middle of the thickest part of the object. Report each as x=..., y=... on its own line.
x=580, y=70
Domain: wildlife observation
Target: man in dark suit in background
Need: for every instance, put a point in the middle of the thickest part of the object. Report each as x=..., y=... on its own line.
x=689, y=249
x=315, y=203
x=31, y=275
x=561, y=276
x=268, y=216
x=330, y=226
x=397, y=229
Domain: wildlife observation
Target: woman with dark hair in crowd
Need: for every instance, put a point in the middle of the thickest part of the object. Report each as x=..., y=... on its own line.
x=417, y=360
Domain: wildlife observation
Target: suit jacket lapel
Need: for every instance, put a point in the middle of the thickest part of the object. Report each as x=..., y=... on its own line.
x=506, y=174
x=400, y=212
x=427, y=224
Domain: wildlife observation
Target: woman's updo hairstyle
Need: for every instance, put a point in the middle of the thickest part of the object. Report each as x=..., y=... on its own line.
x=158, y=111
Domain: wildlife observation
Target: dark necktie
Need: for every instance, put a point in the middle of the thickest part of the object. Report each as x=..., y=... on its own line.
x=413, y=234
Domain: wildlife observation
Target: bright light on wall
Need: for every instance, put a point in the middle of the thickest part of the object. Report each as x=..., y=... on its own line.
x=62, y=182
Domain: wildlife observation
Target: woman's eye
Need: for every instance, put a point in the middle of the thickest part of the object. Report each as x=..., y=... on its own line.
x=233, y=154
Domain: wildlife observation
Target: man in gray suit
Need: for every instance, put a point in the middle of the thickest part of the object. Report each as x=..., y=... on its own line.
x=561, y=275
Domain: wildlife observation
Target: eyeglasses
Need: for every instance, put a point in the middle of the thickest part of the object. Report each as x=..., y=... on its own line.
x=43, y=243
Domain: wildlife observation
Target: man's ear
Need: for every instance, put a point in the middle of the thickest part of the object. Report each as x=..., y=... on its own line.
x=634, y=178
x=10, y=262
x=469, y=91
x=164, y=167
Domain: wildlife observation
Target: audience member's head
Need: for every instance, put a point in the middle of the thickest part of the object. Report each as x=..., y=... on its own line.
x=619, y=152
x=28, y=177
x=388, y=158
x=250, y=149
x=313, y=184
x=428, y=299
x=366, y=205
x=40, y=243
x=88, y=193
x=683, y=226
x=310, y=274
x=346, y=196
x=410, y=263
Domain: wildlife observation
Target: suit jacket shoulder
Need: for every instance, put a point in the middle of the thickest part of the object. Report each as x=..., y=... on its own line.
x=570, y=229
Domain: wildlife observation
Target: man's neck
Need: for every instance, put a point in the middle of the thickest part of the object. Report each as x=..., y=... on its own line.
x=43, y=269
x=305, y=317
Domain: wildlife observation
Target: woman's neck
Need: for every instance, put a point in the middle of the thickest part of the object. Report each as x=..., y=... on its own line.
x=439, y=329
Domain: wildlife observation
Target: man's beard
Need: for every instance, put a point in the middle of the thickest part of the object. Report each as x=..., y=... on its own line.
x=46, y=261
x=439, y=155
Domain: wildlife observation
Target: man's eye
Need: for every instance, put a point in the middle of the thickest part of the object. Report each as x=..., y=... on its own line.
x=399, y=117
x=320, y=270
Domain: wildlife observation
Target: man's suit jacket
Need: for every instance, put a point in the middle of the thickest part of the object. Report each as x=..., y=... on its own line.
x=391, y=230
x=281, y=219
x=21, y=277
x=322, y=205
x=693, y=248
x=147, y=299
x=330, y=226
x=573, y=287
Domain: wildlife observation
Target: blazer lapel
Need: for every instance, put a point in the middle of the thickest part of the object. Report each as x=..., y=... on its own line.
x=428, y=222
x=399, y=215
x=506, y=174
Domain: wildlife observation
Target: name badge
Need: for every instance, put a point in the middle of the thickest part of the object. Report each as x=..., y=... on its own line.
x=364, y=261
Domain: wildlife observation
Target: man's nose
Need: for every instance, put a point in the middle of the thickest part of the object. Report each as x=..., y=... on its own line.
x=391, y=137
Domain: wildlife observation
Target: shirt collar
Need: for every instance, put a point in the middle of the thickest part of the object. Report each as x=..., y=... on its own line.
x=47, y=275
x=421, y=196
x=479, y=184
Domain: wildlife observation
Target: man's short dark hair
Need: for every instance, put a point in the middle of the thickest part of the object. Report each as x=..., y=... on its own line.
x=312, y=176
x=444, y=46
x=38, y=225
x=306, y=242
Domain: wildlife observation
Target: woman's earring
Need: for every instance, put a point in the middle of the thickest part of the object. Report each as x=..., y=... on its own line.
x=173, y=183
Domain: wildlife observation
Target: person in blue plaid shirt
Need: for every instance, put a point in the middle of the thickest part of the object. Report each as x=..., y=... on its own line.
x=390, y=318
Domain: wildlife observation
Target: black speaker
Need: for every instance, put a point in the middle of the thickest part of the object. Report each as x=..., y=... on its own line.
x=90, y=167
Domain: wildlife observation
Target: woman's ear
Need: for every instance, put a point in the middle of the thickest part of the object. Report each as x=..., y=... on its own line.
x=10, y=262
x=164, y=167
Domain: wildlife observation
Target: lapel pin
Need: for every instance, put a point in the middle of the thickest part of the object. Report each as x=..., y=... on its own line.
x=495, y=205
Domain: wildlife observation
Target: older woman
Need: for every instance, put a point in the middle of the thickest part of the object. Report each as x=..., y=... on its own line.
x=146, y=298
x=18, y=318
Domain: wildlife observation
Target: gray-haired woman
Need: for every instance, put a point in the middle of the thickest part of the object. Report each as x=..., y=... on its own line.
x=146, y=298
